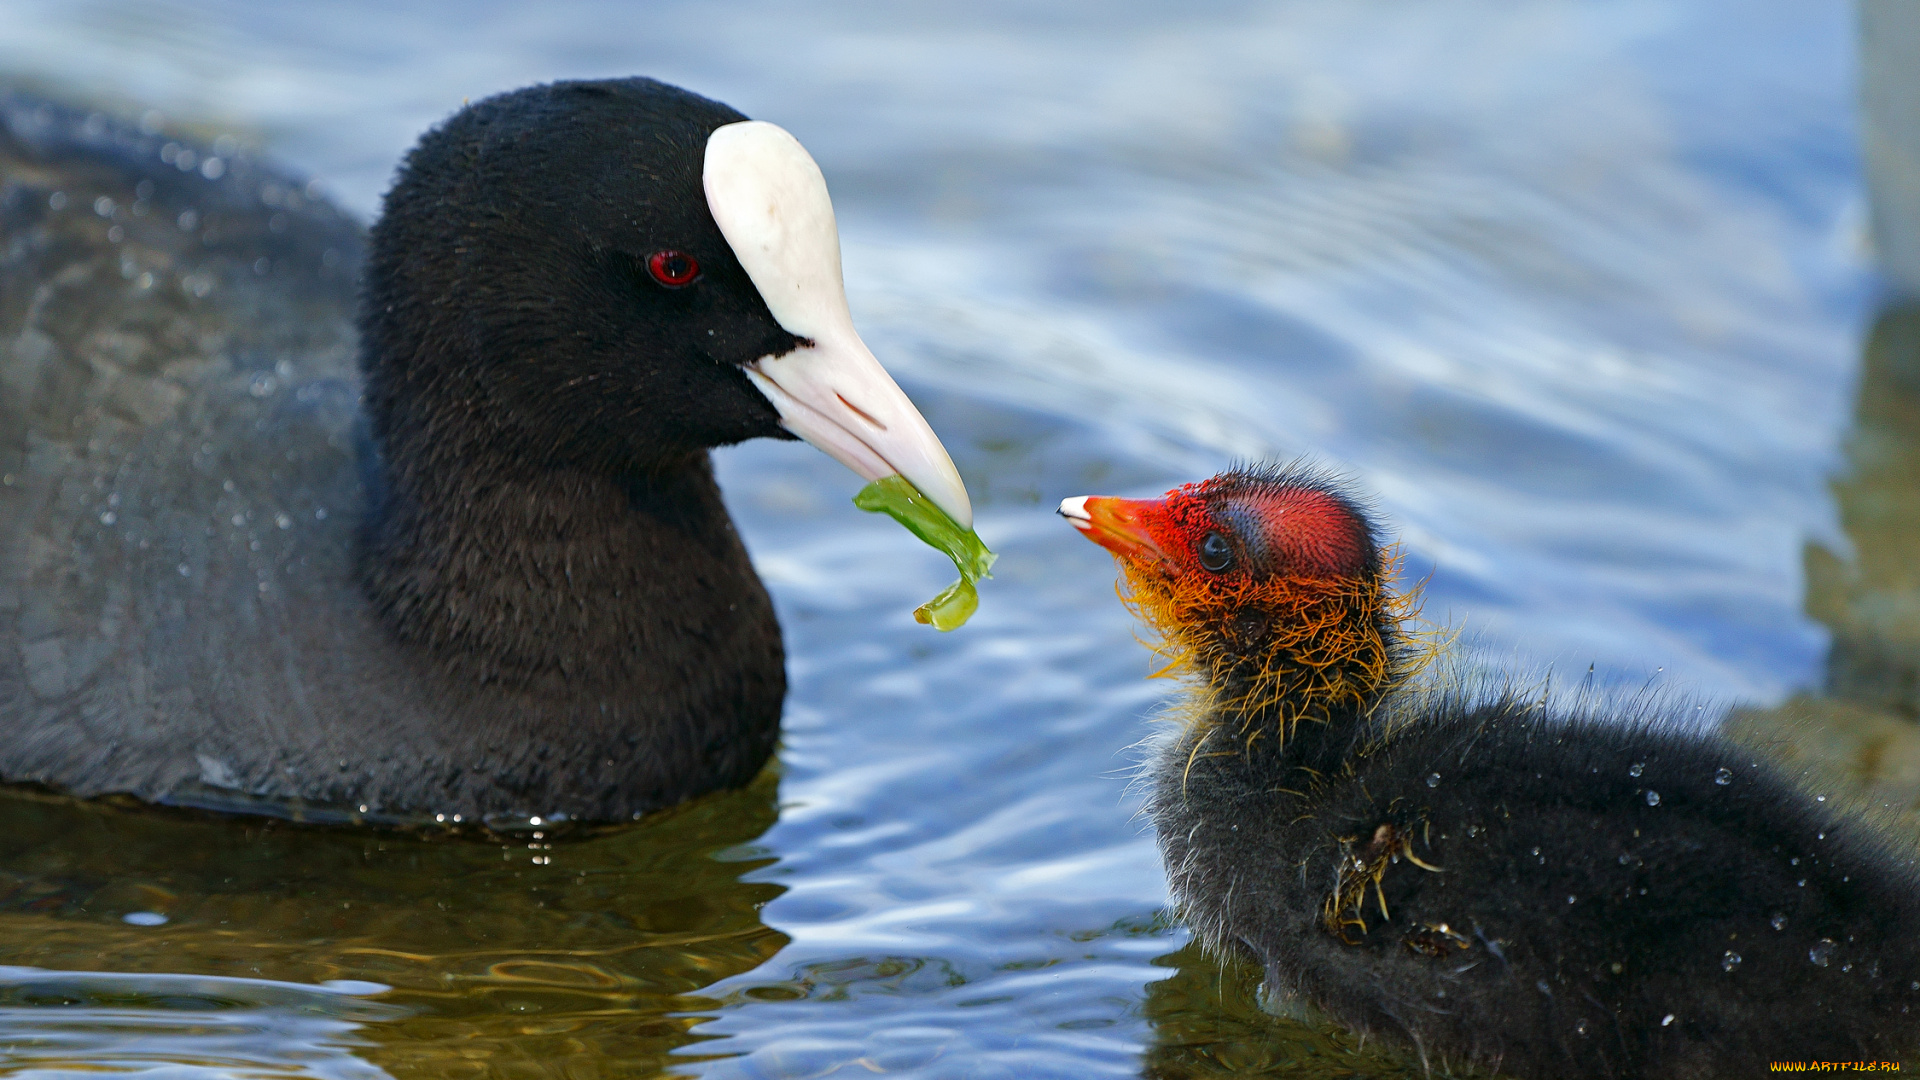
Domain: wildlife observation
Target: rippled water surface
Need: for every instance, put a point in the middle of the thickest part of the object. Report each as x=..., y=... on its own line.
x=1575, y=287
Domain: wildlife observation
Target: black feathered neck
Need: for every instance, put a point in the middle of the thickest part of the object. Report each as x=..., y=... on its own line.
x=540, y=406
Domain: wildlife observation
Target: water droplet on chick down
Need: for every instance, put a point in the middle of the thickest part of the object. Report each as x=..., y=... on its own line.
x=1779, y=921
x=1730, y=961
x=1433, y=779
x=1723, y=777
x=1653, y=798
x=1637, y=768
x=1822, y=952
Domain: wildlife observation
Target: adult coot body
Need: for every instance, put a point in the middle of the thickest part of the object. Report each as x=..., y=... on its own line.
x=1546, y=891
x=469, y=561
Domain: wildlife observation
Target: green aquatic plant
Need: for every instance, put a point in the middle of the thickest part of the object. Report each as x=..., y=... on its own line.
x=896, y=497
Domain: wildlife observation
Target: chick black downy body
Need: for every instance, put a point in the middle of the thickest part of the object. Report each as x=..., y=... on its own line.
x=1596, y=889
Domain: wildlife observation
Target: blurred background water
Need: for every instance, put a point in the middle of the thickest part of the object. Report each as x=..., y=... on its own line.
x=1578, y=288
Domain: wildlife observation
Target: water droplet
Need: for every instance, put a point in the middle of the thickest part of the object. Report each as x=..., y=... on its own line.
x=1618, y=967
x=57, y=201
x=103, y=206
x=109, y=518
x=283, y=521
x=189, y=220
x=1580, y=1026
x=1730, y=961
x=1637, y=768
x=1625, y=859
x=184, y=571
x=1433, y=779
x=1536, y=851
x=1667, y=1019
x=213, y=168
x=1653, y=798
x=144, y=918
x=1819, y=798
x=1723, y=777
x=1572, y=899
x=1822, y=952
x=1779, y=920
x=1821, y=836
x=320, y=513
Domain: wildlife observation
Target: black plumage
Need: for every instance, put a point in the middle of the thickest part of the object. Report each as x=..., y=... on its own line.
x=1590, y=889
x=488, y=572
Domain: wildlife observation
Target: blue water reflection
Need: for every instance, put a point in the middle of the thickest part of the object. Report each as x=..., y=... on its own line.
x=1574, y=286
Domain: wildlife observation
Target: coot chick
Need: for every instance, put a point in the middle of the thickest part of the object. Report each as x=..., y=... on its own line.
x=1542, y=889
x=485, y=572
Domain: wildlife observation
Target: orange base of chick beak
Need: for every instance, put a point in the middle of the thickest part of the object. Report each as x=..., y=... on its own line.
x=1122, y=526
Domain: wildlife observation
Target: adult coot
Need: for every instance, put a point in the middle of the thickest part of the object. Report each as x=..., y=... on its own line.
x=489, y=571
x=1548, y=891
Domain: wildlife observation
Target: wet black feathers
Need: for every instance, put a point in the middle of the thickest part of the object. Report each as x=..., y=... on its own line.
x=1585, y=889
x=490, y=572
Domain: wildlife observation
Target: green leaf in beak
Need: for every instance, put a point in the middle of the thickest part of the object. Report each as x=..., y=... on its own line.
x=896, y=497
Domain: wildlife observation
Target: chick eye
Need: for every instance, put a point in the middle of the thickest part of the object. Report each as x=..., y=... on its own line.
x=674, y=269
x=1215, y=553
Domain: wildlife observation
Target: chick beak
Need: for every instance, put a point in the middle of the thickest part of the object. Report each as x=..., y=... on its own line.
x=770, y=202
x=1121, y=526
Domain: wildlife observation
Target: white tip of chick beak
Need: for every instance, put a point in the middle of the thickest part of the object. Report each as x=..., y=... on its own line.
x=1075, y=511
x=771, y=204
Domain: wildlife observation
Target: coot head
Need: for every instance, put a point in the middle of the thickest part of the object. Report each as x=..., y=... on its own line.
x=1269, y=583
x=579, y=276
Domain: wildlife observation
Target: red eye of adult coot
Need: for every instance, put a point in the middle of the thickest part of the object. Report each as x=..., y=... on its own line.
x=674, y=269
